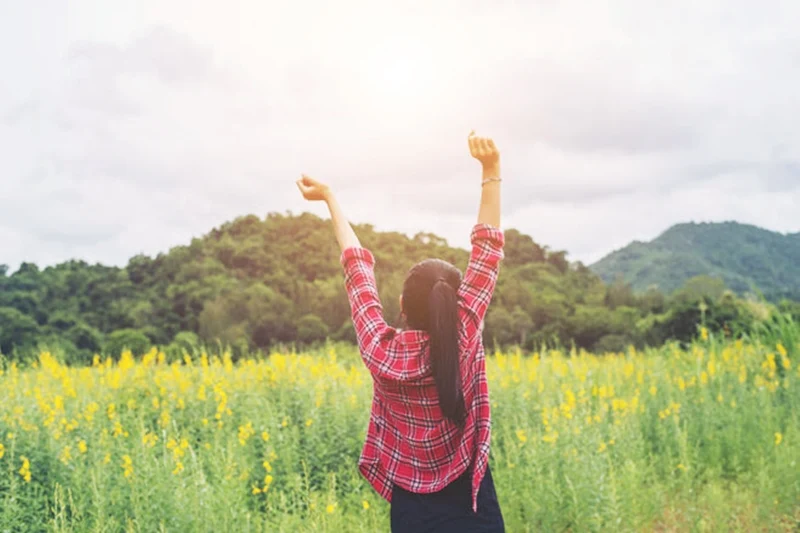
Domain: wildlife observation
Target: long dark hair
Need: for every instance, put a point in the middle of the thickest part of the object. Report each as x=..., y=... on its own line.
x=430, y=304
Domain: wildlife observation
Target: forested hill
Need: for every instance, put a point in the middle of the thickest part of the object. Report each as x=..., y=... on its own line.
x=745, y=257
x=252, y=283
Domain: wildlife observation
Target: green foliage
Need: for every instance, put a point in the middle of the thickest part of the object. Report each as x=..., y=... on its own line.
x=257, y=283
x=745, y=258
x=17, y=330
x=311, y=328
x=126, y=339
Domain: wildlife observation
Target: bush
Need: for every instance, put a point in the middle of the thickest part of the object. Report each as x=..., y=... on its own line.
x=612, y=343
x=126, y=339
x=184, y=342
x=311, y=328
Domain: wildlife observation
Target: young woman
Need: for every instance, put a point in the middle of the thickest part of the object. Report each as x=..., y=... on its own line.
x=427, y=445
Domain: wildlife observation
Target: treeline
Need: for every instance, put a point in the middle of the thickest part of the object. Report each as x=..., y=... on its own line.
x=252, y=283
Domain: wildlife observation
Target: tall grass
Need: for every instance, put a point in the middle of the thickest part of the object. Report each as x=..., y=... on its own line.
x=706, y=438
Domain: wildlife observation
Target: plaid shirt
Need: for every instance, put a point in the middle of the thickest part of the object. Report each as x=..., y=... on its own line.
x=409, y=442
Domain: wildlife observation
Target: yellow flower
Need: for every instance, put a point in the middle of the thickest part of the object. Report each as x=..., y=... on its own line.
x=330, y=508
x=681, y=467
x=66, y=455
x=285, y=422
x=522, y=436
x=2, y=450
x=82, y=446
x=265, y=436
x=178, y=468
x=107, y=459
x=149, y=439
x=256, y=490
x=365, y=504
x=309, y=422
x=781, y=349
x=778, y=438
x=704, y=333
x=551, y=437
x=602, y=447
x=25, y=470
x=127, y=466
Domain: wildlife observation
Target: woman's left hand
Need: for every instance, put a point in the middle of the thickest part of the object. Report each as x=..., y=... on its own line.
x=312, y=189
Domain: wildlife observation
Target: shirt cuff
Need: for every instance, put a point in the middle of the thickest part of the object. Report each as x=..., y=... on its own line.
x=485, y=232
x=357, y=254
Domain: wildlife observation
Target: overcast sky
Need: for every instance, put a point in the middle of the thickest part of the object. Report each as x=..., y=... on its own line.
x=130, y=127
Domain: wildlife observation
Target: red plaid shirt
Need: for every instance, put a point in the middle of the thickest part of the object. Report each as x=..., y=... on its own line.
x=408, y=441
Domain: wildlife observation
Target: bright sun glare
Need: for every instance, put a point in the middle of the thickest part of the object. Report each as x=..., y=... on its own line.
x=402, y=79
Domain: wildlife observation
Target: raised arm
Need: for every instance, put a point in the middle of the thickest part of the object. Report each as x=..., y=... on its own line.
x=484, y=150
x=372, y=331
x=487, y=240
x=313, y=190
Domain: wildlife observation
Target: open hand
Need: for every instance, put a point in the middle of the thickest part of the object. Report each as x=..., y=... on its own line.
x=312, y=189
x=484, y=150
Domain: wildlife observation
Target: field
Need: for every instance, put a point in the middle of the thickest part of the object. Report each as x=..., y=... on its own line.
x=705, y=438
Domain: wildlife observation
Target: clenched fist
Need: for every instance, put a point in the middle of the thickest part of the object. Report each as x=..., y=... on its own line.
x=312, y=189
x=484, y=150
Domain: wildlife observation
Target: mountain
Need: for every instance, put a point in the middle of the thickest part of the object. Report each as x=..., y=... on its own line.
x=746, y=257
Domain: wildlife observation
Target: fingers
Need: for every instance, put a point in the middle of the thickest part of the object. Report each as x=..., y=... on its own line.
x=480, y=146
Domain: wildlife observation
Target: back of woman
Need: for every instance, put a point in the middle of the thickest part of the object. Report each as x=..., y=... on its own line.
x=427, y=443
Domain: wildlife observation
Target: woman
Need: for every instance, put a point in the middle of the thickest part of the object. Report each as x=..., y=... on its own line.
x=427, y=445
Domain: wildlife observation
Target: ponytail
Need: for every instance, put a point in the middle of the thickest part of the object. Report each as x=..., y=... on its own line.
x=444, y=350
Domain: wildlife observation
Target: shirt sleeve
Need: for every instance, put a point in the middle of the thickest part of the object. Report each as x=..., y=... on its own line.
x=480, y=278
x=372, y=332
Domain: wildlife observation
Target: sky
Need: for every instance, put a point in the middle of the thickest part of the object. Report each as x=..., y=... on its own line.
x=131, y=127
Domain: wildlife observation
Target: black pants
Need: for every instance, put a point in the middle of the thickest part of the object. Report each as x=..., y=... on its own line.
x=449, y=510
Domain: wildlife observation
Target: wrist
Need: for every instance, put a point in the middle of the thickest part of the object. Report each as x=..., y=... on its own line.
x=491, y=171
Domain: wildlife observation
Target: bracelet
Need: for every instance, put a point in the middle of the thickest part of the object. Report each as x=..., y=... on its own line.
x=488, y=180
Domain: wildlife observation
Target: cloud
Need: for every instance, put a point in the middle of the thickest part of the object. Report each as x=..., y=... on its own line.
x=613, y=124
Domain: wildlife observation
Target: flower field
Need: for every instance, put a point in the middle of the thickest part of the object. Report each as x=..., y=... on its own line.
x=701, y=439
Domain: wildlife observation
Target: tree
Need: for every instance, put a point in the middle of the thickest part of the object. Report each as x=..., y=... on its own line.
x=17, y=330
x=311, y=328
x=522, y=324
x=126, y=339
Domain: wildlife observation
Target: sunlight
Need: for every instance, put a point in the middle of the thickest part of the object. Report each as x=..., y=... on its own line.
x=402, y=79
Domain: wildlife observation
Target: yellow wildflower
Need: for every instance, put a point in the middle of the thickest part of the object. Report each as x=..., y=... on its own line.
x=25, y=470
x=365, y=504
x=66, y=455
x=778, y=438
x=330, y=508
x=127, y=466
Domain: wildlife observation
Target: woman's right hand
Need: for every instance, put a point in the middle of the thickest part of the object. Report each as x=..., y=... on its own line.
x=484, y=150
x=312, y=189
